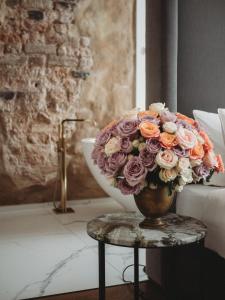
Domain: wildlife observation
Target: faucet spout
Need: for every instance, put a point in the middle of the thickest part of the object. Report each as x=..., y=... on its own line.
x=63, y=170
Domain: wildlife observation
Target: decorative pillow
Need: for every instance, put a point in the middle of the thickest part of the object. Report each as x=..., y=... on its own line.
x=210, y=122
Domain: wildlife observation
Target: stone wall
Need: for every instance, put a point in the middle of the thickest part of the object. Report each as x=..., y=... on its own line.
x=45, y=48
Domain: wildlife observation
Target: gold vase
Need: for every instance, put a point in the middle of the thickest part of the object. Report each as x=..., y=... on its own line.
x=154, y=204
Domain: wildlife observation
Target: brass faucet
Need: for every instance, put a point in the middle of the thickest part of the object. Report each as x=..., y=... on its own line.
x=63, y=174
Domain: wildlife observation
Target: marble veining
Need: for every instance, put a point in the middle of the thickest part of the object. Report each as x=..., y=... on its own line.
x=43, y=254
x=123, y=229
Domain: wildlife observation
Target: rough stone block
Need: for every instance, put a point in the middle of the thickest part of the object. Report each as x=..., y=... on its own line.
x=37, y=61
x=13, y=60
x=37, y=4
x=12, y=3
x=13, y=48
x=40, y=48
x=62, y=61
x=2, y=46
x=36, y=15
x=7, y=95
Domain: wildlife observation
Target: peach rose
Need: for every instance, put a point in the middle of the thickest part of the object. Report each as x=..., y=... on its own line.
x=150, y=113
x=210, y=159
x=220, y=167
x=168, y=175
x=208, y=145
x=168, y=140
x=149, y=130
x=166, y=159
x=197, y=152
x=186, y=119
x=186, y=139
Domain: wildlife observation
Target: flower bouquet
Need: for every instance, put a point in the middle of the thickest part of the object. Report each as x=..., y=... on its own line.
x=153, y=150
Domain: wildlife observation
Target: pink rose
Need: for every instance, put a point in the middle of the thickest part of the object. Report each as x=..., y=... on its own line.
x=186, y=139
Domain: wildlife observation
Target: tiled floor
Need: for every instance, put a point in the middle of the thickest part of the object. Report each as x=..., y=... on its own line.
x=44, y=254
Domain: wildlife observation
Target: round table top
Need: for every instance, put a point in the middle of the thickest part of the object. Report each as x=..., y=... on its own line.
x=122, y=229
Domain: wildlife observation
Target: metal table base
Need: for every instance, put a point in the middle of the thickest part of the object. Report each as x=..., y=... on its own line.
x=101, y=262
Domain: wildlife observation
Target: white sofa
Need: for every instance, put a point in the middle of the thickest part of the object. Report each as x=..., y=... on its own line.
x=206, y=203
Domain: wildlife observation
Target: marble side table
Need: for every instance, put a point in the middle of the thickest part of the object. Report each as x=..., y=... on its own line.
x=122, y=229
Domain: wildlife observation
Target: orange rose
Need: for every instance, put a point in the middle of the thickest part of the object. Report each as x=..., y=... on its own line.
x=210, y=159
x=220, y=167
x=197, y=152
x=145, y=113
x=149, y=130
x=208, y=145
x=168, y=140
x=185, y=118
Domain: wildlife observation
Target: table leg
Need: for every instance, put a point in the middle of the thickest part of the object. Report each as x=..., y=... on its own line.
x=101, y=264
x=136, y=274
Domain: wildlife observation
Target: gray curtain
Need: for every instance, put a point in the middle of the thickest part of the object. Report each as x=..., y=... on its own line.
x=161, y=51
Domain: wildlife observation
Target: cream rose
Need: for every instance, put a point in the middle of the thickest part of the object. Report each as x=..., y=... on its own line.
x=186, y=139
x=183, y=164
x=113, y=146
x=141, y=146
x=131, y=115
x=168, y=175
x=185, y=177
x=157, y=107
x=166, y=159
x=170, y=127
x=195, y=162
x=179, y=188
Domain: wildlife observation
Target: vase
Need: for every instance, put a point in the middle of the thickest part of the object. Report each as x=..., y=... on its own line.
x=154, y=204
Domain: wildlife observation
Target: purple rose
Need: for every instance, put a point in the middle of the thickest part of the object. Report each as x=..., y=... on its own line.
x=150, y=119
x=126, y=189
x=201, y=171
x=180, y=152
x=148, y=159
x=153, y=145
x=134, y=171
x=95, y=153
x=167, y=116
x=126, y=145
x=115, y=162
x=102, y=160
x=103, y=137
x=184, y=124
x=127, y=128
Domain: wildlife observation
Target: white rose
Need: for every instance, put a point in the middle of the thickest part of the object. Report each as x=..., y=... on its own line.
x=132, y=114
x=166, y=159
x=167, y=175
x=186, y=177
x=113, y=146
x=183, y=164
x=195, y=162
x=179, y=188
x=157, y=107
x=170, y=127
